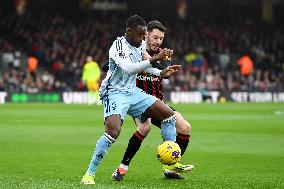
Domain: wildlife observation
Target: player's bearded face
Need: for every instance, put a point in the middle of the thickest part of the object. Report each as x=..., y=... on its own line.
x=154, y=39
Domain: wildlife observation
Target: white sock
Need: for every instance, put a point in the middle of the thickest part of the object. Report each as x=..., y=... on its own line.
x=125, y=167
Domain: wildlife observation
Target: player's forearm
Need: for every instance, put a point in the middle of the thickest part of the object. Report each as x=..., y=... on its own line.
x=137, y=67
x=153, y=71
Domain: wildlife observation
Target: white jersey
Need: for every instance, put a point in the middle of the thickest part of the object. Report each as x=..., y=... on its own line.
x=122, y=58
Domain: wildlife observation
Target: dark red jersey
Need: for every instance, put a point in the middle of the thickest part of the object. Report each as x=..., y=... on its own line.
x=149, y=83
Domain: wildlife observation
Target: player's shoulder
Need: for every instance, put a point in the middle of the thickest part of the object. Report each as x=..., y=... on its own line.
x=118, y=44
x=143, y=44
x=119, y=41
x=95, y=64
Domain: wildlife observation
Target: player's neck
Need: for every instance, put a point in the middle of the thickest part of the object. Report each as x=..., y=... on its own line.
x=149, y=50
x=129, y=41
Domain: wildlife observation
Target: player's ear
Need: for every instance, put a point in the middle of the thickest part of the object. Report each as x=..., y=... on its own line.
x=129, y=31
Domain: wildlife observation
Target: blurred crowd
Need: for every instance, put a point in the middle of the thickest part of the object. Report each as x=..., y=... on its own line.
x=46, y=52
x=212, y=51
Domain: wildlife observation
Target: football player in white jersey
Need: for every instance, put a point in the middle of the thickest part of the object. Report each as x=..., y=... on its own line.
x=152, y=85
x=119, y=93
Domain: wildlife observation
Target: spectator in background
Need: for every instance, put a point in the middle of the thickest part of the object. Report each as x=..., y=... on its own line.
x=246, y=65
x=91, y=77
x=32, y=66
x=224, y=59
x=196, y=61
x=16, y=61
x=220, y=39
x=2, y=85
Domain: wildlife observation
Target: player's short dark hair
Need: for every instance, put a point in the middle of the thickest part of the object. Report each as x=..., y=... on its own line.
x=155, y=24
x=134, y=21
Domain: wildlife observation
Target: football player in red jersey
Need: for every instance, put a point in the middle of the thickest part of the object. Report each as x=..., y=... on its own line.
x=152, y=84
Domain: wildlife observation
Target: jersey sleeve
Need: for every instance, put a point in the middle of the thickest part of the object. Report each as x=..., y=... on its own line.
x=119, y=54
x=153, y=71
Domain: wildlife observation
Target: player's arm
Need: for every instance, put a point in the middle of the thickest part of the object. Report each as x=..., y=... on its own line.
x=105, y=67
x=125, y=63
x=84, y=75
x=153, y=71
x=97, y=74
x=170, y=70
x=130, y=68
x=166, y=72
x=155, y=60
x=163, y=64
x=167, y=64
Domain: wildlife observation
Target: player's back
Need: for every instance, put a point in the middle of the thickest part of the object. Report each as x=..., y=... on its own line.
x=117, y=79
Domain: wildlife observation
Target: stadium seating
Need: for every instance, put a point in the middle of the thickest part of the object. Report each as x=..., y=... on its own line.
x=207, y=52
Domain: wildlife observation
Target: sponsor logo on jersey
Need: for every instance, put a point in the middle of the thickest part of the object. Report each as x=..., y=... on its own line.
x=121, y=55
x=147, y=78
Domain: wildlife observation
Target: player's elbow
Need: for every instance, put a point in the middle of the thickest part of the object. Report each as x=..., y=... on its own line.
x=129, y=71
x=126, y=68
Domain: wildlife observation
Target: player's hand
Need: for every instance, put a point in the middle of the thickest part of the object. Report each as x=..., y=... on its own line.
x=170, y=70
x=146, y=56
x=165, y=53
x=169, y=57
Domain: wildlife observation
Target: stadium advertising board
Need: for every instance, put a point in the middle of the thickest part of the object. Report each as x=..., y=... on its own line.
x=257, y=97
x=215, y=96
x=2, y=97
x=78, y=98
x=194, y=97
x=25, y=97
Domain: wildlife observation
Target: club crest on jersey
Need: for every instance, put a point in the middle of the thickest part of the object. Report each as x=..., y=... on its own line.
x=113, y=106
x=121, y=54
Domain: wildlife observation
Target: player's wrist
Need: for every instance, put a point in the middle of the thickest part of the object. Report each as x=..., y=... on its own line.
x=158, y=57
x=163, y=73
x=153, y=59
x=156, y=64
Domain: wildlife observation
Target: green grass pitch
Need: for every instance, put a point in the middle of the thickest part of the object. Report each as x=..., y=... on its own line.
x=232, y=146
